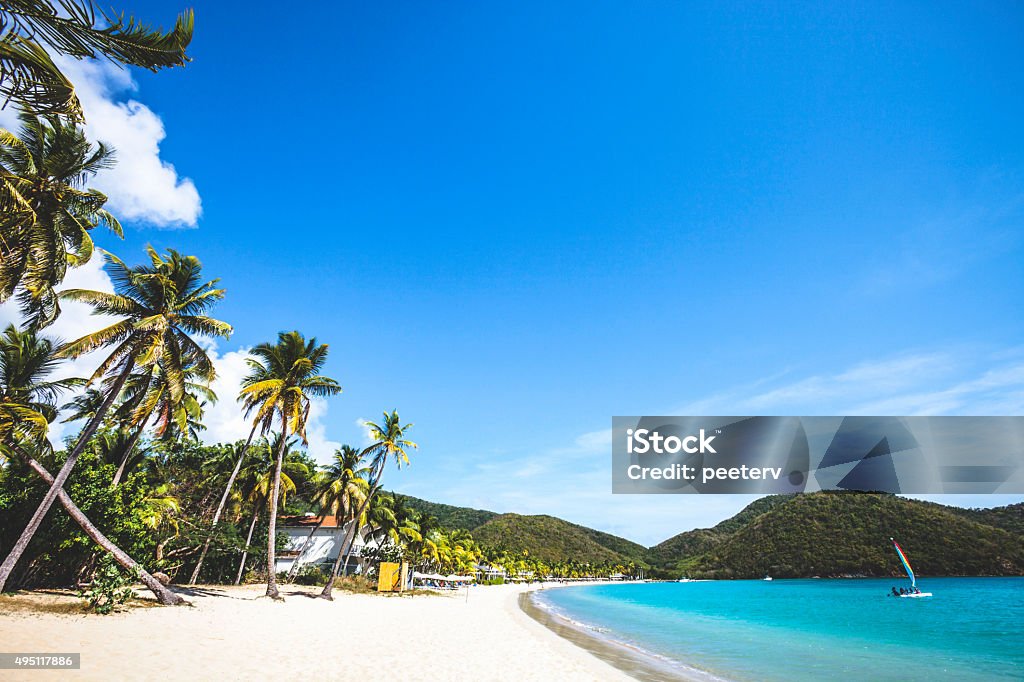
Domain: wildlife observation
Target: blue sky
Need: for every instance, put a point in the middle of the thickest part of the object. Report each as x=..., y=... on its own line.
x=513, y=221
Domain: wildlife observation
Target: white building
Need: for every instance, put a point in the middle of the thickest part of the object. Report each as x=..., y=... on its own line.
x=324, y=546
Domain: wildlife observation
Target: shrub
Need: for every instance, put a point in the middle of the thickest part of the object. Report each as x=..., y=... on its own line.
x=110, y=587
x=310, y=575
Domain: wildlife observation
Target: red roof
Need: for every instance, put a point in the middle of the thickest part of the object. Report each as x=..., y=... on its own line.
x=309, y=521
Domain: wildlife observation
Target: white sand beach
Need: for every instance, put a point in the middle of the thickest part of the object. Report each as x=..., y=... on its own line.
x=233, y=633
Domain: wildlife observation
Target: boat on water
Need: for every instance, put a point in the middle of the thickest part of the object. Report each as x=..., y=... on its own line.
x=767, y=578
x=913, y=592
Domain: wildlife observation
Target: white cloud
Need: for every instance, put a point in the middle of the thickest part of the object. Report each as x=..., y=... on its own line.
x=141, y=186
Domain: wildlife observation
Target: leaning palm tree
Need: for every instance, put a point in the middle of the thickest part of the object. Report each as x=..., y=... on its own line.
x=34, y=30
x=162, y=305
x=46, y=211
x=343, y=486
x=390, y=442
x=25, y=362
x=283, y=377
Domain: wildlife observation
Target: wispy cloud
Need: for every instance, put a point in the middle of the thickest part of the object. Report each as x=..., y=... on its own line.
x=957, y=237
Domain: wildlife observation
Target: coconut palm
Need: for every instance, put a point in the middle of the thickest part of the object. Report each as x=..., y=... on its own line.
x=257, y=482
x=117, y=447
x=338, y=489
x=160, y=514
x=267, y=386
x=27, y=399
x=84, y=405
x=390, y=442
x=46, y=212
x=283, y=377
x=162, y=305
x=25, y=362
x=33, y=30
x=239, y=453
x=149, y=393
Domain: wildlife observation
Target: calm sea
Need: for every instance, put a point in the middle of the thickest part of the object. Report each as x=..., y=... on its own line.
x=972, y=629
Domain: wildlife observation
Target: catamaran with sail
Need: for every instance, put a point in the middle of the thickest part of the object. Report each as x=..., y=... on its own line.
x=913, y=592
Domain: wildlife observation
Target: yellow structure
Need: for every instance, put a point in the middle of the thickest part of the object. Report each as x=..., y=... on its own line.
x=391, y=577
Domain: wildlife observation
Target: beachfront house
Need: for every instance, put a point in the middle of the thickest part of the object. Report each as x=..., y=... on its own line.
x=324, y=546
x=485, y=572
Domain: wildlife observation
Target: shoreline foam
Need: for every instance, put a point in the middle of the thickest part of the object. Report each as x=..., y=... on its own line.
x=634, y=661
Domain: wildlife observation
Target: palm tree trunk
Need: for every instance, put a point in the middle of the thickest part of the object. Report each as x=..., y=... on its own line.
x=326, y=594
x=58, y=482
x=128, y=453
x=220, y=507
x=344, y=568
x=350, y=536
x=248, y=541
x=163, y=595
x=305, y=545
x=272, y=532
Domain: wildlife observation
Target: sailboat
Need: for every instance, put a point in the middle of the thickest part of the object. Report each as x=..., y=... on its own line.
x=910, y=573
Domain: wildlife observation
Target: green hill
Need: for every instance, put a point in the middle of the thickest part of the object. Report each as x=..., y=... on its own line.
x=833, y=534
x=1009, y=518
x=451, y=516
x=825, y=534
x=673, y=554
x=551, y=539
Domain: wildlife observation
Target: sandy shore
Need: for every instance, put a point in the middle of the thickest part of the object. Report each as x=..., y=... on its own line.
x=232, y=633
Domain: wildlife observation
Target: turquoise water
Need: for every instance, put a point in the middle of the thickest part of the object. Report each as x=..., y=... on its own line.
x=972, y=629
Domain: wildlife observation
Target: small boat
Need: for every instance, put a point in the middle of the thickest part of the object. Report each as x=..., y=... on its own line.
x=767, y=578
x=913, y=593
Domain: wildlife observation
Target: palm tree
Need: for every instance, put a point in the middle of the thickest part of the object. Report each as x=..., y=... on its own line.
x=337, y=490
x=283, y=377
x=390, y=442
x=117, y=447
x=47, y=211
x=148, y=393
x=239, y=453
x=27, y=400
x=161, y=514
x=25, y=361
x=162, y=305
x=33, y=29
x=84, y=406
x=257, y=485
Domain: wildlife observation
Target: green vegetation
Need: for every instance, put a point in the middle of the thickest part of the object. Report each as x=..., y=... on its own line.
x=550, y=539
x=837, y=534
x=110, y=588
x=451, y=516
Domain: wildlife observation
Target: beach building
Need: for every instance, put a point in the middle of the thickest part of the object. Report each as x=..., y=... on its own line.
x=324, y=546
x=485, y=572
